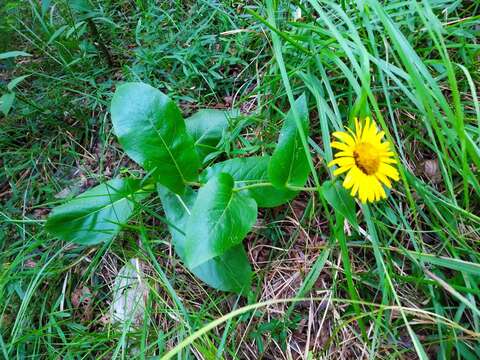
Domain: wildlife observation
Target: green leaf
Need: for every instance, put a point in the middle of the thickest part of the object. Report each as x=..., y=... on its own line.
x=6, y=102
x=449, y=263
x=228, y=272
x=207, y=128
x=98, y=214
x=250, y=171
x=10, y=54
x=219, y=220
x=81, y=6
x=152, y=131
x=340, y=200
x=289, y=164
x=45, y=6
x=12, y=84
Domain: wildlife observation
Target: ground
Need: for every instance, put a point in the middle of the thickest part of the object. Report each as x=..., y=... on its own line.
x=403, y=285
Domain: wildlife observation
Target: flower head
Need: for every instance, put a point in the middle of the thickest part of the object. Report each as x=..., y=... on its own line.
x=366, y=159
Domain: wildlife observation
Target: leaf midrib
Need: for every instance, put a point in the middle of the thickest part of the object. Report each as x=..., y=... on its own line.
x=232, y=194
x=167, y=148
x=103, y=207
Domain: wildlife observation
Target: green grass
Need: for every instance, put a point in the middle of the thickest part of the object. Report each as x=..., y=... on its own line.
x=405, y=284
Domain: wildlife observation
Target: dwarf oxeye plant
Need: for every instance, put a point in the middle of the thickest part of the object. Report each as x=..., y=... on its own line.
x=209, y=210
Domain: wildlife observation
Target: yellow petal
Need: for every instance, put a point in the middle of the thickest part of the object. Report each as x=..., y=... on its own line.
x=342, y=169
x=382, y=192
x=379, y=191
x=353, y=135
x=358, y=129
x=383, y=179
x=350, y=178
x=385, y=146
x=387, y=154
x=345, y=137
x=380, y=136
x=376, y=190
x=343, y=161
x=387, y=160
x=389, y=171
x=344, y=154
x=370, y=189
x=355, y=188
x=340, y=146
x=375, y=186
x=362, y=195
x=363, y=189
x=366, y=130
x=373, y=131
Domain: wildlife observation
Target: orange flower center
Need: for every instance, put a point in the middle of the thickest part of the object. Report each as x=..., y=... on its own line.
x=366, y=158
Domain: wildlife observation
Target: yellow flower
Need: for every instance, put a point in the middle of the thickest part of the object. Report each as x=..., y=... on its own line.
x=367, y=159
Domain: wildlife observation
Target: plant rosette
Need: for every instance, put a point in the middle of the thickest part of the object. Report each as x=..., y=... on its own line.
x=210, y=209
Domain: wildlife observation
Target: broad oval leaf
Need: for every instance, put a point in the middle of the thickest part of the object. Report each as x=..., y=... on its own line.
x=228, y=272
x=152, y=132
x=340, y=200
x=219, y=220
x=289, y=164
x=250, y=171
x=98, y=214
x=6, y=102
x=207, y=127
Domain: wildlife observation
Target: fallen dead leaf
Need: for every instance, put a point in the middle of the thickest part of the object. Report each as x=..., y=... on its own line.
x=129, y=294
x=81, y=296
x=431, y=170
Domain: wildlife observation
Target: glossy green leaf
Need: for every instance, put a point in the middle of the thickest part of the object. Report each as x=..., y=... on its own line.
x=81, y=6
x=219, y=220
x=152, y=131
x=207, y=127
x=6, y=102
x=45, y=6
x=10, y=54
x=340, y=200
x=98, y=214
x=228, y=272
x=14, y=82
x=289, y=164
x=250, y=171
